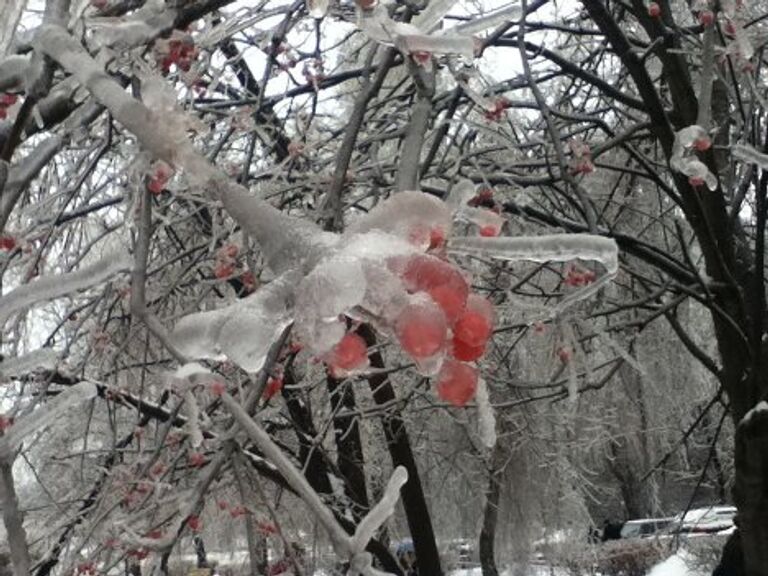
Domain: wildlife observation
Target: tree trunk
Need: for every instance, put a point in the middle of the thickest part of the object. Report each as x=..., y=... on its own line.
x=399, y=445
x=751, y=491
x=488, y=531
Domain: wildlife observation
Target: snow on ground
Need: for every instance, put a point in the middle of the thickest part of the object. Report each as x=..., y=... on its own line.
x=676, y=565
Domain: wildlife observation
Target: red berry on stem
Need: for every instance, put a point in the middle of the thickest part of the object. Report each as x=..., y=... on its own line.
x=654, y=10
x=456, y=382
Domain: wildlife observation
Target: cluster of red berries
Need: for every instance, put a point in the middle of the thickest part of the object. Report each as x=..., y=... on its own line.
x=226, y=261
x=159, y=175
x=581, y=159
x=86, y=568
x=576, y=277
x=180, y=50
x=6, y=101
x=496, y=113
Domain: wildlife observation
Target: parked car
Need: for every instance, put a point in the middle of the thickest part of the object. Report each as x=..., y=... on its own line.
x=460, y=553
x=644, y=528
x=711, y=520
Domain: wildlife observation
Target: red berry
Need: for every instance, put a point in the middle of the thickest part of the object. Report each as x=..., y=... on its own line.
x=223, y=270
x=654, y=10
x=702, y=144
x=474, y=327
x=456, y=382
x=274, y=385
x=466, y=353
x=222, y=504
x=421, y=58
x=5, y=423
x=7, y=243
x=7, y=100
x=450, y=299
x=438, y=278
x=485, y=195
x=155, y=534
x=194, y=523
x=564, y=353
x=157, y=469
x=696, y=181
x=706, y=18
x=266, y=527
x=196, y=459
x=218, y=388
x=421, y=330
x=489, y=231
x=351, y=352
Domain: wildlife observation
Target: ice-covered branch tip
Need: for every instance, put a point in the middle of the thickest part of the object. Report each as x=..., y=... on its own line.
x=556, y=247
x=46, y=415
x=50, y=287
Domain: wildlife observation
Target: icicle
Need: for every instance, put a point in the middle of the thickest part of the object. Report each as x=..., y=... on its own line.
x=485, y=413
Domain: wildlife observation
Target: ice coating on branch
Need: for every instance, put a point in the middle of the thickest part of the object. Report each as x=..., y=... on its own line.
x=54, y=286
x=444, y=44
x=684, y=159
x=409, y=38
x=47, y=414
x=411, y=216
x=555, y=247
x=475, y=25
x=242, y=331
x=748, y=154
x=486, y=418
x=286, y=242
x=42, y=359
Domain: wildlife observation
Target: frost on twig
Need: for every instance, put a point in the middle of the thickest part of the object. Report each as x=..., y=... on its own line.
x=46, y=415
x=50, y=287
